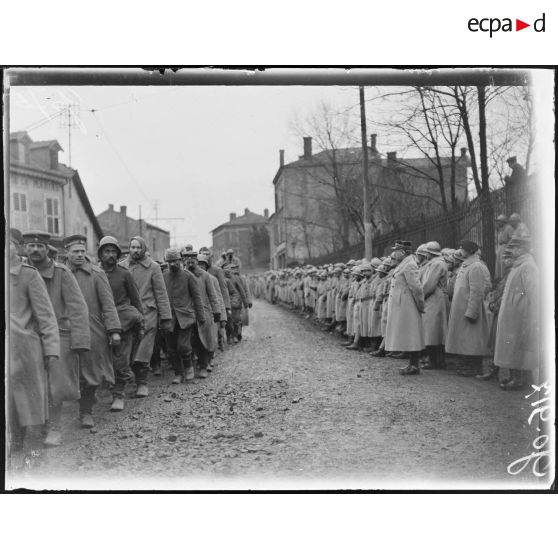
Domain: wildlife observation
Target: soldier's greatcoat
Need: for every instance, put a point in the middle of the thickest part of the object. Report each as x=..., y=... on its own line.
x=517, y=332
x=434, y=287
x=467, y=337
x=72, y=316
x=404, y=330
x=210, y=305
x=96, y=364
x=33, y=335
x=149, y=281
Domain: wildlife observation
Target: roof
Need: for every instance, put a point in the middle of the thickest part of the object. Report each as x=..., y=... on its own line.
x=52, y=144
x=132, y=220
x=353, y=156
x=245, y=219
x=20, y=136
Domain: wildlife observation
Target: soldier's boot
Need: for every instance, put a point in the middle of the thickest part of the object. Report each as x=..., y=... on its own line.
x=356, y=345
x=202, y=373
x=53, y=433
x=348, y=342
x=86, y=403
x=517, y=381
x=117, y=404
x=178, y=377
x=432, y=362
x=141, y=370
x=489, y=374
x=189, y=373
x=412, y=368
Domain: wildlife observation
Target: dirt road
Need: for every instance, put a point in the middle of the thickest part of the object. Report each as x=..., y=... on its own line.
x=289, y=407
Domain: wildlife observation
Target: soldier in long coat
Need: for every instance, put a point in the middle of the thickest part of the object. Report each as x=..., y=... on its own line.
x=238, y=300
x=187, y=309
x=104, y=326
x=353, y=288
x=343, y=296
x=372, y=331
x=218, y=273
x=404, y=330
x=149, y=280
x=203, y=263
x=375, y=317
x=390, y=266
x=72, y=317
x=435, y=318
x=34, y=347
x=357, y=315
x=468, y=327
x=517, y=333
x=130, y=313
x=504, y=234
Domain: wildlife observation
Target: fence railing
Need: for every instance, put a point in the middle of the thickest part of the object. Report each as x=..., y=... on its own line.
x=448, y=228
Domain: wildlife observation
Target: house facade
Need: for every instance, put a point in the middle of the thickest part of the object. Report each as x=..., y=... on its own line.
x=248, y=236
x=123, y=228
x=47, y=195
x=318, y=198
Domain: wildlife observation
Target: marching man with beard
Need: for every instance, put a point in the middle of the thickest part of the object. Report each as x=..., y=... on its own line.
x=187, y=310
x=149, y=280
x=96, y=364
x=72, y=317
x=130, y=312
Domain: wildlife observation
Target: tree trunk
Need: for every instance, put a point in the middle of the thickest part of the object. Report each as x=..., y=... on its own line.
x=485, y=199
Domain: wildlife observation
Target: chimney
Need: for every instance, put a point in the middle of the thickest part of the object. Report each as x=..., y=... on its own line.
x=391, y=157
x=266, y=213
x=246, y=211
x=463, y=152
x=281, y=157
x=111, y=207
x=123, y=210
x=307, y=148
x=373, y=142
x=232, y=216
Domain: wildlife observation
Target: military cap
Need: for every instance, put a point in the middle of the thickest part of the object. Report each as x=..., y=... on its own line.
x=16, y=236
x=501, y=218
x=366, y=267
x=519, y=240
x=230, y=251
x=203, y=258
x=52, y=251
x=375, y=262
x=74, y=239
x=188, y=253
x=422, y=250
x=469, y=246
x=172, y=254
x=108, y=241
x=39, y=237
x=459, y=255
x=433, y=248
x=515, y=218
x=405, y=245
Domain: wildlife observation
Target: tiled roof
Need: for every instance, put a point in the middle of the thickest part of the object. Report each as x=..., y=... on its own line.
x=245, y=219
x=47, y=143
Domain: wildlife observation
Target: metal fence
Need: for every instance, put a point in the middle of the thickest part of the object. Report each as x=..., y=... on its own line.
x=449, y=228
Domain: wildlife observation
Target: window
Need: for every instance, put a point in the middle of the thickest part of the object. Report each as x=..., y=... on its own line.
x=19, y=210
x=154, y=245
x=85, y=232
x=52, y=215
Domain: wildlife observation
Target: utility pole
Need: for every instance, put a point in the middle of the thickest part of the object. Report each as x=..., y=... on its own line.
x=67, y=122
x=365, y=182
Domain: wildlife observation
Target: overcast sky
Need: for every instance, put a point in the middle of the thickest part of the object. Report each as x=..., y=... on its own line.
x=199, y=152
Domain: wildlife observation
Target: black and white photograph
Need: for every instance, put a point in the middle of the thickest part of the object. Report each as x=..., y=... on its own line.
x=279, y=278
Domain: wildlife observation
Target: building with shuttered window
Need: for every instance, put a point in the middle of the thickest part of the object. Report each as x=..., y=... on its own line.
x=47, y=195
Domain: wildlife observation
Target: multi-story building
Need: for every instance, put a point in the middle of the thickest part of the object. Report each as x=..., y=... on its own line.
x=47, y=195
x=123, y=228
x=248, y=236
x=318, y=198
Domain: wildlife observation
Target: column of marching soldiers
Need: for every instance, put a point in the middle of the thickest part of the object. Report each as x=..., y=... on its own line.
x=79, y=324
x=428, y=303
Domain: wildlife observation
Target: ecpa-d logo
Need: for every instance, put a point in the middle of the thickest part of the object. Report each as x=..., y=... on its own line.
x=493, y=25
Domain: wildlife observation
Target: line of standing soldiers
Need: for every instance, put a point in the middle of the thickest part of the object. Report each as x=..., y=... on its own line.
x=75, y=325
x=428, y=303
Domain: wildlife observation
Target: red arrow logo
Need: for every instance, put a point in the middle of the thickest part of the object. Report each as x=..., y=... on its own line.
x=519, y=25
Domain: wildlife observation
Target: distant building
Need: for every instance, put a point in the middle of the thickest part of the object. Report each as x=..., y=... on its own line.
x=318, y=198
x=123, y=228
x=47, y=195
x=248, y=236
